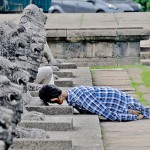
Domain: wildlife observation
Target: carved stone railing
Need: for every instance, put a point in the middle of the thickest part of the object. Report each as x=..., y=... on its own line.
x=21, y=52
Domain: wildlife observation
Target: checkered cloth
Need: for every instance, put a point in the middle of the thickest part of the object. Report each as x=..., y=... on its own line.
x=110, y=103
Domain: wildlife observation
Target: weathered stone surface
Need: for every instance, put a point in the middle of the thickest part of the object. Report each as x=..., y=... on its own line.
x=2, y=145
x=33, y=20
x=6, y=130
x=31, y=144
x=32, y=115
x=22, y=132
x=87, y=62
x=52, y=109
x=145, y=62
x=64, y=73
x=67, y=66
x=145, y=55
x=10, y=95
x=56, y=33
x=64, y=82
x=14, y=71
x=50, y=124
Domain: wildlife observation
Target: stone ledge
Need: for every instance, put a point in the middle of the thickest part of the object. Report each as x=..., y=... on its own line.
x=99, y=34
x=64, y=82
x=52, y=110
x=50, y=124
x=64, y=73
x=38, y=144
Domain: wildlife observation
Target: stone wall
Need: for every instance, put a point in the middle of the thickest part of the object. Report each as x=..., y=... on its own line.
x=121, y=45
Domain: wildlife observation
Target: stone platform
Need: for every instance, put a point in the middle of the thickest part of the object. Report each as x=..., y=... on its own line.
x=67, y=129
x=132, y=135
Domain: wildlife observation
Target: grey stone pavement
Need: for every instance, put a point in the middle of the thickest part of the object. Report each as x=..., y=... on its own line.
x=134, y=135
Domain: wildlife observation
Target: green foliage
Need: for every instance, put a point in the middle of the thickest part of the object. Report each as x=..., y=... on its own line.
x=145, y=4
x=139, y=94
x=146, y=77
x=148, y=6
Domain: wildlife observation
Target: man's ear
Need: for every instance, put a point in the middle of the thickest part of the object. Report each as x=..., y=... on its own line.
x=53, y=99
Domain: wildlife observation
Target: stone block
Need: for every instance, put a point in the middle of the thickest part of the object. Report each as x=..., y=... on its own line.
x=64, y=82
x=56, y=33
x=145, y=55
x=145, y=62
x=90, y=33
x=67, y=66
x=64, y=74
x=41, y=144
x=145, y=48
x=52, y=109
x=34, y=93
x=50, y=124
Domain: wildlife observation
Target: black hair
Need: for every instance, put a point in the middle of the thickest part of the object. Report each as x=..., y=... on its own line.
x=47, y=92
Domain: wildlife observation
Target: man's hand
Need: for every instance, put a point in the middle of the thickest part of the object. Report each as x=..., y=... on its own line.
x=134, y=112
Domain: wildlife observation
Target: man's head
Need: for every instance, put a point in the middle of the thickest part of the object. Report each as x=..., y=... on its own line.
x=50, y=94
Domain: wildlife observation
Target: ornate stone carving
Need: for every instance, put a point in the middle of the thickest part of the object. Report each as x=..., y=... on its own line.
x=14, y=72
x=33, y=115
x=6, y=131
x=10, y=97
x=21, y=44
x=33, y=20
x=22, y=132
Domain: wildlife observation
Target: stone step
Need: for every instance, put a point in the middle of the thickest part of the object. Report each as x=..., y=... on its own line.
x=66, y=66
x=145, y=62
x=36, y=93
x=41, y=144
x=65, y=73
x=38, y=102
x=145, y=55
x=52, y=109
x=145, y=48
x=64, y=82
x=51, y=123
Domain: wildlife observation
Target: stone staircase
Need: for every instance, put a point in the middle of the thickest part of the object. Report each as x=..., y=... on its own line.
x=145, y=55
x=67, y=129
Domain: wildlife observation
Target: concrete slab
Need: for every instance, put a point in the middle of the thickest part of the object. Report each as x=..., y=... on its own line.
x=36, y=144
x=67, y=66
x=147, y=98
x=145, y=62
x=135, y=74
x=127, y=135
x=87, y=62
x=143, y=89
x=51, y=123
x=64, y=82
x=82, y=76
x=52, y=109
x=145, y=55
x=70, y=21
x=86, y=133
x=111, y=83
x=65, y=73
